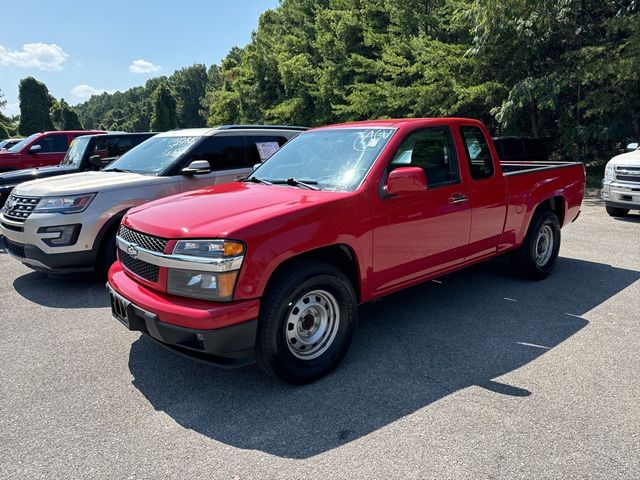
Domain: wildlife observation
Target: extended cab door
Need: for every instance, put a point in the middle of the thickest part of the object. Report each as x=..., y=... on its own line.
x=420, y=233
x=487, y=193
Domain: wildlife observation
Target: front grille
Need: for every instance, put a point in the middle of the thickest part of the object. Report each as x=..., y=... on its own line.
x=19, y=208
x=149, y=242
x=626, y=173
x=14, y=248
x=138, y=267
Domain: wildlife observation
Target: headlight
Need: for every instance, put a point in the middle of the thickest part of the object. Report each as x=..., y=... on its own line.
x=69, y=204
x=609, y=172
x=208, y=285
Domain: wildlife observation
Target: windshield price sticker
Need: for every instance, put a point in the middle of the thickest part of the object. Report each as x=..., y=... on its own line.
x=266, y=149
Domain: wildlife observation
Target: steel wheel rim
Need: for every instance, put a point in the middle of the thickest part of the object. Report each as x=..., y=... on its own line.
x=312, y=324
x=544, y=245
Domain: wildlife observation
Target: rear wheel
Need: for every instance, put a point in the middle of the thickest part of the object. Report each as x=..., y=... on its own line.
x=617, y=212
x=537, y=256
x=306, y=322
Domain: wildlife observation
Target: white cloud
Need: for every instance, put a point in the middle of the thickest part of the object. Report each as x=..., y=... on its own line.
x=142, y=66
x=43, y=56
x=12, y=109
x=86, y=91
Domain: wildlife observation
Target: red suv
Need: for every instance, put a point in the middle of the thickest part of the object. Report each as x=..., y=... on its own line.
x=40, y=149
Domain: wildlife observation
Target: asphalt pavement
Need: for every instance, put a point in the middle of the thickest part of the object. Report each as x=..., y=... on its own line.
x=478, y=375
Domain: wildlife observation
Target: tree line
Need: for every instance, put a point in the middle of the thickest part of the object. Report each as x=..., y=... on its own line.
x=564, y=70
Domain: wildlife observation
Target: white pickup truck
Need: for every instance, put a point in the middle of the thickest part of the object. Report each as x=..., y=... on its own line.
x=69, y=224
x=621, y=183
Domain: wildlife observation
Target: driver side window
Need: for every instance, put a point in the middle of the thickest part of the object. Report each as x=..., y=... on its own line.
x=432, y=150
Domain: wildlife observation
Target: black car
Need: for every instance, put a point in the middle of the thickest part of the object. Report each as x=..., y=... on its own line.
x=522, y=149
x=87, y=152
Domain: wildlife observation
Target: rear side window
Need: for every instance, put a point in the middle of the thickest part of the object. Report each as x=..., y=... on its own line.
x=478, y=153
x=119, y=146
x=432, y=150
x=261, y=147
x=53, y=144
x=223, y=153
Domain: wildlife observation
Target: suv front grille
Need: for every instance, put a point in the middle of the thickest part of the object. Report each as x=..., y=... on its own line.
x=626, y=173
x=149, y=242
x=19, y=208
x=138, y=267
x=16, y=249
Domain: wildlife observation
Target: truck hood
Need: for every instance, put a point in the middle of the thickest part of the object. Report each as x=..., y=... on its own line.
x=86, y=182
x=19, y=176
x=224, y=210
x=630, y=158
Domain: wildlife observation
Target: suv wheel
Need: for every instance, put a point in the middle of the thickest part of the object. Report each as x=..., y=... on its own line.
x=307, y=320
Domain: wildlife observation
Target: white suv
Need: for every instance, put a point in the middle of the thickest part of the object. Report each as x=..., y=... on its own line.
x=69, y=224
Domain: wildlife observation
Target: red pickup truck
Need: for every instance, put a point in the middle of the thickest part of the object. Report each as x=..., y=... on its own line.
x=40, y=149
x=273, y=268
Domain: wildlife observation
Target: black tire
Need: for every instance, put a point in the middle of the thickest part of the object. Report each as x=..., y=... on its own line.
x=528, y=261
x=274, y=347
x=107, y=254
x=617, y=212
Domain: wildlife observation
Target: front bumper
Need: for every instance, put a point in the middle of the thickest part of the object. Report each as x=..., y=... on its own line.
x=621, y=195
x=61, y=263
x=219, y=333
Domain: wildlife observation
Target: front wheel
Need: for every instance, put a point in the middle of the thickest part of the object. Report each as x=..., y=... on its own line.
x=306, y=322
x=538, y=254
x=617, y=212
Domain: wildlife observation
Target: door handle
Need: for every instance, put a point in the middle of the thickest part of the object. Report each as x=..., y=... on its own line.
x=458, y=199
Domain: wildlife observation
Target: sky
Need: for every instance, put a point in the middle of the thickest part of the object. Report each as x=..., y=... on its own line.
x=80, y=48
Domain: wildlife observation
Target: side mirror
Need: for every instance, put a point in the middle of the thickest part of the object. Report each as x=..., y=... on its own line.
x=98, y=162
x=632, y=147
x=406, y=180
x=35, y=148
x=197, y=167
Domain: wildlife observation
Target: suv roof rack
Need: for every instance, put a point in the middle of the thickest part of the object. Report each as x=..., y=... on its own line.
x=262, y=127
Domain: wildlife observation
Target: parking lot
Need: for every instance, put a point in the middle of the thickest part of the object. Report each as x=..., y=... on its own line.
x=477, y=375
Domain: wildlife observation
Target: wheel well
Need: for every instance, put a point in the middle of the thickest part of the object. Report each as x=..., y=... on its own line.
x=112, y=223
x=555, y=205
x=340, y=256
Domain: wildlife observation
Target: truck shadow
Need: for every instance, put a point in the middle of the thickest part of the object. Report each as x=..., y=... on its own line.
x=75, y=291
x=411, y=349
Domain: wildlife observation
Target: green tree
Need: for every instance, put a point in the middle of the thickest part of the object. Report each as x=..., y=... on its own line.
x=163, y=109
x=189, y=85
x=64, y=117
x=3, y=132
x=35, y=104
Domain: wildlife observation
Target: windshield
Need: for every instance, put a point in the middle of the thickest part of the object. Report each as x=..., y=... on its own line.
x=22, y=143
x=153, y=156
x=336, y=159
x=75, y=152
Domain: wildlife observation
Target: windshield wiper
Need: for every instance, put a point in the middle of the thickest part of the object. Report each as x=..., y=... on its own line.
x=119, y=170
x=294, y=182
x=257, y=180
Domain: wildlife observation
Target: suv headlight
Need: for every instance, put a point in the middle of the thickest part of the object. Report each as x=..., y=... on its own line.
x=216, y=283
x=66, y=204
x=609, y=172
